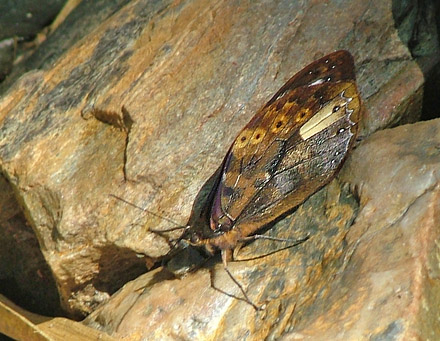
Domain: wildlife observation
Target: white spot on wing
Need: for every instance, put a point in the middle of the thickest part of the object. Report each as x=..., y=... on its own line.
x=281, y=95
x=317, y=82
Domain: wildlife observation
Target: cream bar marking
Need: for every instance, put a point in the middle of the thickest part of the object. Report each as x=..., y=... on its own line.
x=325, y=117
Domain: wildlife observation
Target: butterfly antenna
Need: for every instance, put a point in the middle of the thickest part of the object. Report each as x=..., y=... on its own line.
x=177, y=225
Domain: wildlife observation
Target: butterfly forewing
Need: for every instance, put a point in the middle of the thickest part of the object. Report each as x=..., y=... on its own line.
x=299, y=174
x=293, y=146
x=337, y=66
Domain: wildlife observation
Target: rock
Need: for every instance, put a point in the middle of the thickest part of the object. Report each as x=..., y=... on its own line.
x=25, y=276
x=21, y=21
x=6, y=57
x=145, y=107
x=24, y=18
x=331, y=287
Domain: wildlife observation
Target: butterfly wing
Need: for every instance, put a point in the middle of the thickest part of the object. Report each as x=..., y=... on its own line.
x=293, y=146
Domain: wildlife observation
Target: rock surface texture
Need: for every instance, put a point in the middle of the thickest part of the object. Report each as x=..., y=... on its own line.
x=145, y=104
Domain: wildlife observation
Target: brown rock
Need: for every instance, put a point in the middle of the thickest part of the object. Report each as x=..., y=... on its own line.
x=377, y=276
x=145, y=107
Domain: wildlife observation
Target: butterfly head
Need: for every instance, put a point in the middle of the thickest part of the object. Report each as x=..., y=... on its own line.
x=190, y=237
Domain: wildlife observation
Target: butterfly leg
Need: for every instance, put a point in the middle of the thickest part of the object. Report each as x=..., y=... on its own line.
x=237, y=250
x=226, y=256
x=261, y=236
x=293, y=243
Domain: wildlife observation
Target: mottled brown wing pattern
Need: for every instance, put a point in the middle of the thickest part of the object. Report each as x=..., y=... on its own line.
x=305, y=166
x=293, y=146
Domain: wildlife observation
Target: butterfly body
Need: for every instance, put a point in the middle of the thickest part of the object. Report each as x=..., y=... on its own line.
x=293, y=146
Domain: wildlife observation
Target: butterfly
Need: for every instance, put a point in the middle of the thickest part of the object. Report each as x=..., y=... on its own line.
x=293, y=146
